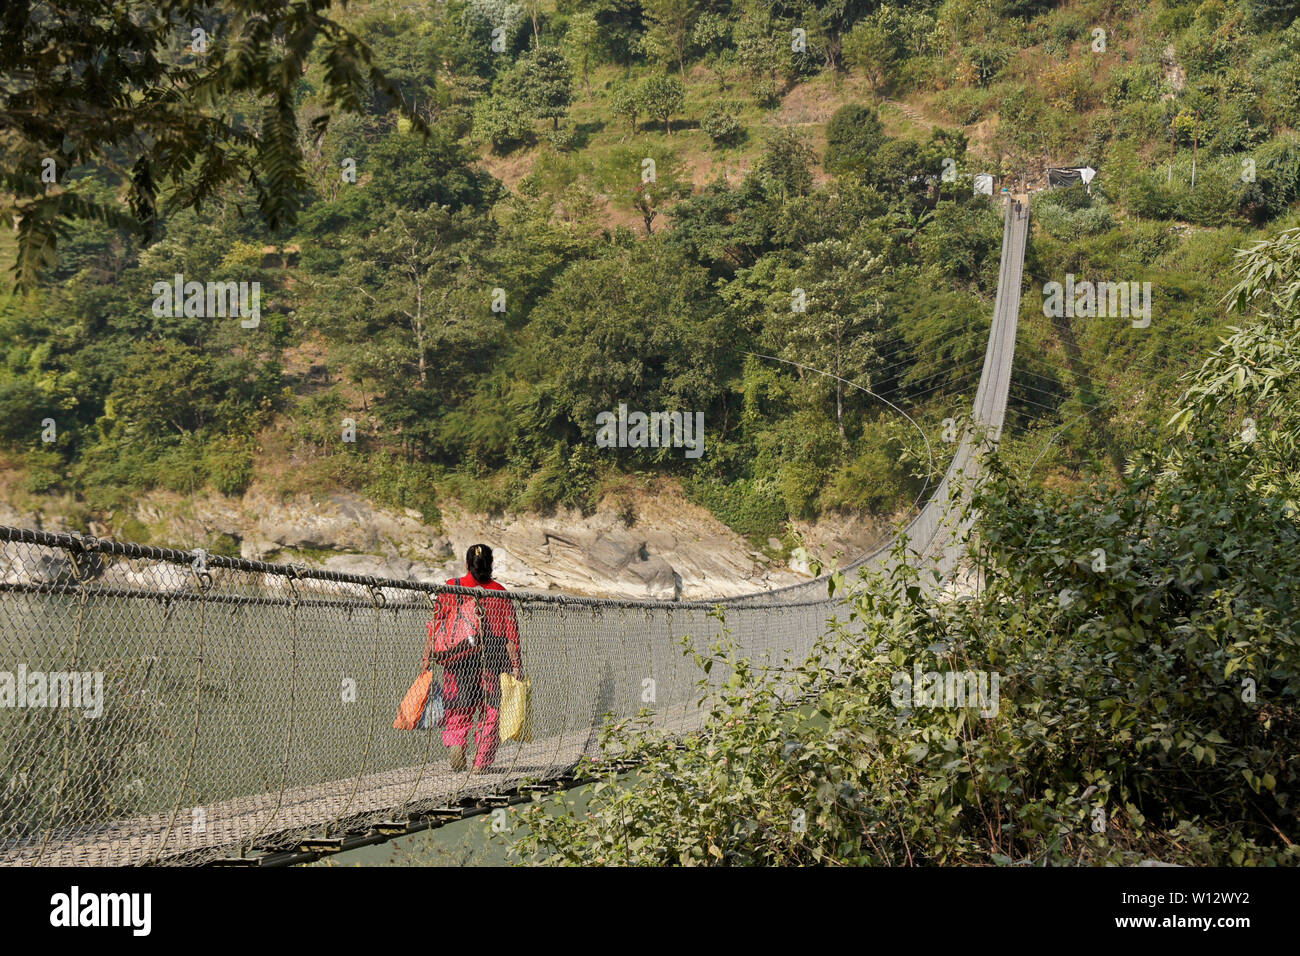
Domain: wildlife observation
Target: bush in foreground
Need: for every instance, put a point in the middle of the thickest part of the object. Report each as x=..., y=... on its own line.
x=1145, y=645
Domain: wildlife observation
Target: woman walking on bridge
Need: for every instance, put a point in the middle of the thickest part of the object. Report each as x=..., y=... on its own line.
x=471, y=678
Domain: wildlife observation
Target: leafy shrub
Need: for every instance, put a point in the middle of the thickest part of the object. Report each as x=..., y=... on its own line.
x=562, y=138
x=566, y=477
x=852, y=138
x=661, y=97
x=1069, y=86
x=1217, y=200
x=1067, y=26
x=988, y=60
x=229, y=464
x=625, y=102
x=1273, y=13
x=1072, y=226
x=767, y=93
x=1132, y=82
x=1025, y=8
x=390, y=481
x=502, y=122
x=722, y=125
x=179, y=468
x=46, y=471
x=1027, y=120
x=1160, y=699
x=1277, y=178
x=876, y=480
x=747, y=506
x=965, y=104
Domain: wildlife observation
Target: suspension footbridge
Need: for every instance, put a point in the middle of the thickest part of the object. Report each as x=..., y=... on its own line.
x=246, y=708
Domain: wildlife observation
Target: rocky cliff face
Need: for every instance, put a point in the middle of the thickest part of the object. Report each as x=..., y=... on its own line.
x=673, y=551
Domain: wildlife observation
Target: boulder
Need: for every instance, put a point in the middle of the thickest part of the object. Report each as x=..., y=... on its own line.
x=609, y=554
x=661, y=582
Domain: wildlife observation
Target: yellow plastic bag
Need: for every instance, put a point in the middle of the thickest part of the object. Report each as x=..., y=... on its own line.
x=515, y=722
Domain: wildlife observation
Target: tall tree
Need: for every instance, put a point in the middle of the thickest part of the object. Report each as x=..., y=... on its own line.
x=838, y=325
x=662, y=96
x=625, y=101
x=542, y=81
x=411, y=305
x=580, y=41
x=612, y=330
x=668, y=30
x=785, y=168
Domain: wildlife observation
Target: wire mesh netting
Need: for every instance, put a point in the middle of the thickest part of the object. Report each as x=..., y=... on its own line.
x=164, y=706
x=160, y=710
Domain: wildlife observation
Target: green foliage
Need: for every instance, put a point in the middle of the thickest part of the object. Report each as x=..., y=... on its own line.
x=581, y=37
x=229, y=465
x=152, y=114
x=502, y=122
x=611, y=331
x=645, y=180
x=1277, y=179
x=988, y=60
x=625, y=102
x=541, y=81
x=668, y=27
x=562, y=138
x=390, y=481
x=1218, y=198
x=786, y=166
x=1070, y=214
x=765, y=57
x=1248, y=386
x=1025, y=8
x=379, y=307
x=722, y=125
x=1273, y=13
x=870, y=50
x=852, y=138
x=1159, y=698
x=661, y=97
x=838, y=329
x=566, y=477
x=45, y=471
x=751, y=507
x=878, y=479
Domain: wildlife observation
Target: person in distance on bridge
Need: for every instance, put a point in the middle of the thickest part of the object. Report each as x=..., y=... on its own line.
x=471, y=681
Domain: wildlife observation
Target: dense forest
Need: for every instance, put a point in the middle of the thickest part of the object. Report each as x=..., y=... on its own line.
x=475, y=262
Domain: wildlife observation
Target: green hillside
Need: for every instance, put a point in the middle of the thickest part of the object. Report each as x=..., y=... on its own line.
x=795, y=146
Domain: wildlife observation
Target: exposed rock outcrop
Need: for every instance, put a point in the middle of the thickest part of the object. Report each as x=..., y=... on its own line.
x=674, y=550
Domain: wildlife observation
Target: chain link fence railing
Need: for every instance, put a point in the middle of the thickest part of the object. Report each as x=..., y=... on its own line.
x=160, y=705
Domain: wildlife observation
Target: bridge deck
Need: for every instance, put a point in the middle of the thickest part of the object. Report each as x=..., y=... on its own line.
x=277, y=819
